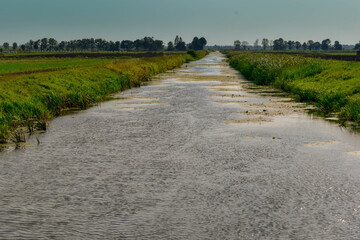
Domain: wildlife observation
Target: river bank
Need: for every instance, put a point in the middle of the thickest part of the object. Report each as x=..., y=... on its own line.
x=28, y=101
x=331, y=85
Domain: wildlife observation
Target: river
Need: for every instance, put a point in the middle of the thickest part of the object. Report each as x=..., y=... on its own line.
x=199, y=153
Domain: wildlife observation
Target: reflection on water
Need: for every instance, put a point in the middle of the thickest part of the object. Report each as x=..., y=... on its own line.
x=177, y=171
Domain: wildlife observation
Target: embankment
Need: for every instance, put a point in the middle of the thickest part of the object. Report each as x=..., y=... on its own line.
x=28, y=101
x=333, y=86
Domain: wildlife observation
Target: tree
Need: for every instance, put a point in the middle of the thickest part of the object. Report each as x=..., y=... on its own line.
x=157, y=45
x=337, y=46
x=117, y=46
x=6, y=45
x=256, y=44
x=310, y=45
x=44, y=44
x=181, y=46
x=237, y=44
x=62, y=45
x=357, y=46
x=265, y=43
x=290, y=44
x=14, y=46
x=279, y=44
x=195, y=44
x=304, y=46
x=170, y=46
x=31, y=45
x=325, y=44
x=37, y=44
x=177, y=40
x=52, y=44
x=244, y=44
x=317, y=46
x=203, y=42
x=22, y=47
x=297, y=45
x=127, y=44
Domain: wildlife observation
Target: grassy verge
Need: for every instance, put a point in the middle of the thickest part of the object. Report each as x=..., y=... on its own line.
x=334, y=86
x=29, y=100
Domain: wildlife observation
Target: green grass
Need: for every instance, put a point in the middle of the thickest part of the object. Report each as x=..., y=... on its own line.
x=334, y=86
x=32, y=99
x=17, y=66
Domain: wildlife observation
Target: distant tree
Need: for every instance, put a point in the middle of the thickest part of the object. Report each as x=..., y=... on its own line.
x=265, y=43
x=357, y=46
x=6, y=45
x=310, y=45
x=291, y=45
x=203, y=42
x=117, y=46
x=44, y=44
x=297, y=45
x=111, y=46
x=337, y=46
x=177, y=40
x=244, y=44
x=170, y=46
x=52, y=44
x=325, y=44
x=127, y=44
x=317, y=46
x=22, y=47
x=237, y=44
x=31, y=45
x=14, y=46
x=62, y=46
x=195, y=44
x=304, y=46
x=157, y=45
x=37, y=45
x=181, y=46
x=256, y=44
x=92, y=44
x=279, y=44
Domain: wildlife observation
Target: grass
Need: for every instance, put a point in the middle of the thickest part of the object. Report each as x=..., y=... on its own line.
x=17, y=66
x=29, y=100
x=334, y=86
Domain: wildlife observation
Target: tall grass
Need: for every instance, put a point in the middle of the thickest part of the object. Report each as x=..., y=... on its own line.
x=35, y=98
x=334, y=86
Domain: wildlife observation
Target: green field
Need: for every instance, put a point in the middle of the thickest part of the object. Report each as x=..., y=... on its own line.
x=334, y=86
x=22, y=66
x=30, y=99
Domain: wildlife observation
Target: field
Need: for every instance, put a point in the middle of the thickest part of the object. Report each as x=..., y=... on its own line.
x=36, y=90
x=345, y=55
x=334, y=86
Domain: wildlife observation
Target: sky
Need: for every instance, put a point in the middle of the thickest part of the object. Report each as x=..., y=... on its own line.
x=219, y=21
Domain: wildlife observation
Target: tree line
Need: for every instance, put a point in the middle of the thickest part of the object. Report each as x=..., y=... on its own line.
x=99, y=44
x=281, y=44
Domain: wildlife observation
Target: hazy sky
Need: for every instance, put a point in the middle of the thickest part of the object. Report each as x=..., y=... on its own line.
x=219, y=21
